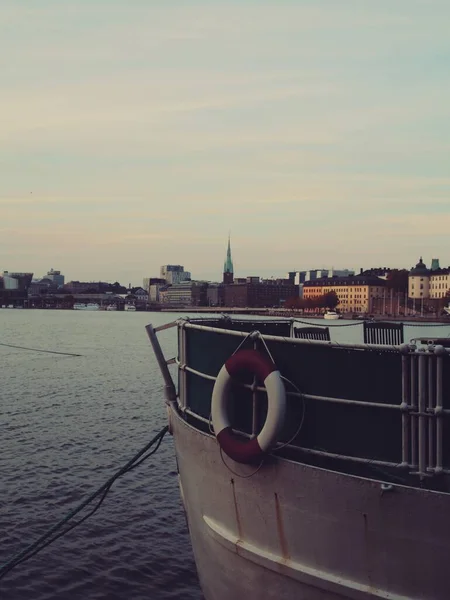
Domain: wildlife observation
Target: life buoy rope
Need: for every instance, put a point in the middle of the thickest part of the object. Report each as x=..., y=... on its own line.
x=254, y=363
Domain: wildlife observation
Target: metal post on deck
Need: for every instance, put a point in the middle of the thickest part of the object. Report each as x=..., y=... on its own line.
x=406, y=359
x=254, y=401
x=182, y=381
x=422, y=438
x=440, y=351
x=413, y=407
x=169, y=387
x=431, y=359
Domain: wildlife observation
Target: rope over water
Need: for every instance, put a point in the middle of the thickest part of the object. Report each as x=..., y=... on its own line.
x=39, y=350
x=53, y=533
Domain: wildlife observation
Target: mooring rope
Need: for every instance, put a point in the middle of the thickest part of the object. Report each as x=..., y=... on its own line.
x=51, y=535
x=39, y=350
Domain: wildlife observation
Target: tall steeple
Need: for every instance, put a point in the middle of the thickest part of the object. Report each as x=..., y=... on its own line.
x=228, y=271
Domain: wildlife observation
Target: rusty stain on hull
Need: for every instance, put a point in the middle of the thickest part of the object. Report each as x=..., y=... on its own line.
x=236, y=510
x=280, y=528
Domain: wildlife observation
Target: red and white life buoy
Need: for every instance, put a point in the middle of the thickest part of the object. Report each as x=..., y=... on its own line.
x=254, y=363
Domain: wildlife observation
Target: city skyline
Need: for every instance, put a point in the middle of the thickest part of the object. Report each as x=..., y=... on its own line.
x=139, y=134
x=255, y=273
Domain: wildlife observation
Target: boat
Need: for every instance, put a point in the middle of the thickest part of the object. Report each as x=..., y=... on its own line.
x=129, y=307
x=111, y=307
x=297, y=485
x=86, y=306
x=447, y=309
x=331, y=315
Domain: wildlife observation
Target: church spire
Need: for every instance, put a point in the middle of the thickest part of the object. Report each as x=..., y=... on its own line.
x=228, y=270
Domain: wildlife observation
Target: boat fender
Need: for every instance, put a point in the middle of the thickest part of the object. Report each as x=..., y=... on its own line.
x=246, y=362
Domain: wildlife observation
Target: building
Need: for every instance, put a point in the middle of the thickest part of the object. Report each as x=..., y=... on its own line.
x=215, y=294
x=14, y=289
x=139, y=293
x=174, y=274
x=254, y=293
x=56, y=277
x=188, y=293
x=419, y=281
x=355, y=293
x=300, y=277
x=433, y=283
x=94, y=287
x=381, y=272
x=435, y=264
x=152, y=285
x=41, y=286
x=228, y=269
x=439, y=283
x=164, y=294
x=17, y=281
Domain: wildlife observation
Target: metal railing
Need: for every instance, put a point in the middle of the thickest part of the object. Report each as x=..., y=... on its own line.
x=421, y=403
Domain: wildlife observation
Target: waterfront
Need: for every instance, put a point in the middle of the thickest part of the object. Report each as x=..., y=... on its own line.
x=67, y=424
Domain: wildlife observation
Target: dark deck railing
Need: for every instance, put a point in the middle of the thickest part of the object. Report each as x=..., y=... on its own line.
x=360, y=403
x=312, y=333
x=390, y=334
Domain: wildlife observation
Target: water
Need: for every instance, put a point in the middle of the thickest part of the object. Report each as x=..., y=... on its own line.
x=67, y=424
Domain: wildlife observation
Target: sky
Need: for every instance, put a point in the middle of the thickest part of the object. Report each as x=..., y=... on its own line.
x=139, y=133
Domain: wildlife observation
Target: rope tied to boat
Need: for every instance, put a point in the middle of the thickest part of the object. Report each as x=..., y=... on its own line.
x=54, y=532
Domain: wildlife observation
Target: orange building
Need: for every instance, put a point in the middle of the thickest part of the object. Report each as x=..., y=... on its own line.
x=355, y=293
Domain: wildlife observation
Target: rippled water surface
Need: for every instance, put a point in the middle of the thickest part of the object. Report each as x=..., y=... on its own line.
x=67, y=424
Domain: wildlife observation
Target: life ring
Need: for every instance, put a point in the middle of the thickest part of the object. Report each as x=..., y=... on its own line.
x=257, y=364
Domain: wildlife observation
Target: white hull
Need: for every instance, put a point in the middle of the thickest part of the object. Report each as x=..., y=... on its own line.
x=111, y=308
x=298, y=532
x=331, y=316
x=86, y=307
x=130, y=308
x=447, y=309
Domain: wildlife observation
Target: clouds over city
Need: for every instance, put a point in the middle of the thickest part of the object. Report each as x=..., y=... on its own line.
x=134, y=134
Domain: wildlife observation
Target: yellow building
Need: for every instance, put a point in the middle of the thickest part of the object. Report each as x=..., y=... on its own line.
x=355, y=293
x=440, y=283
x=419, y=281
x=428, y=283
